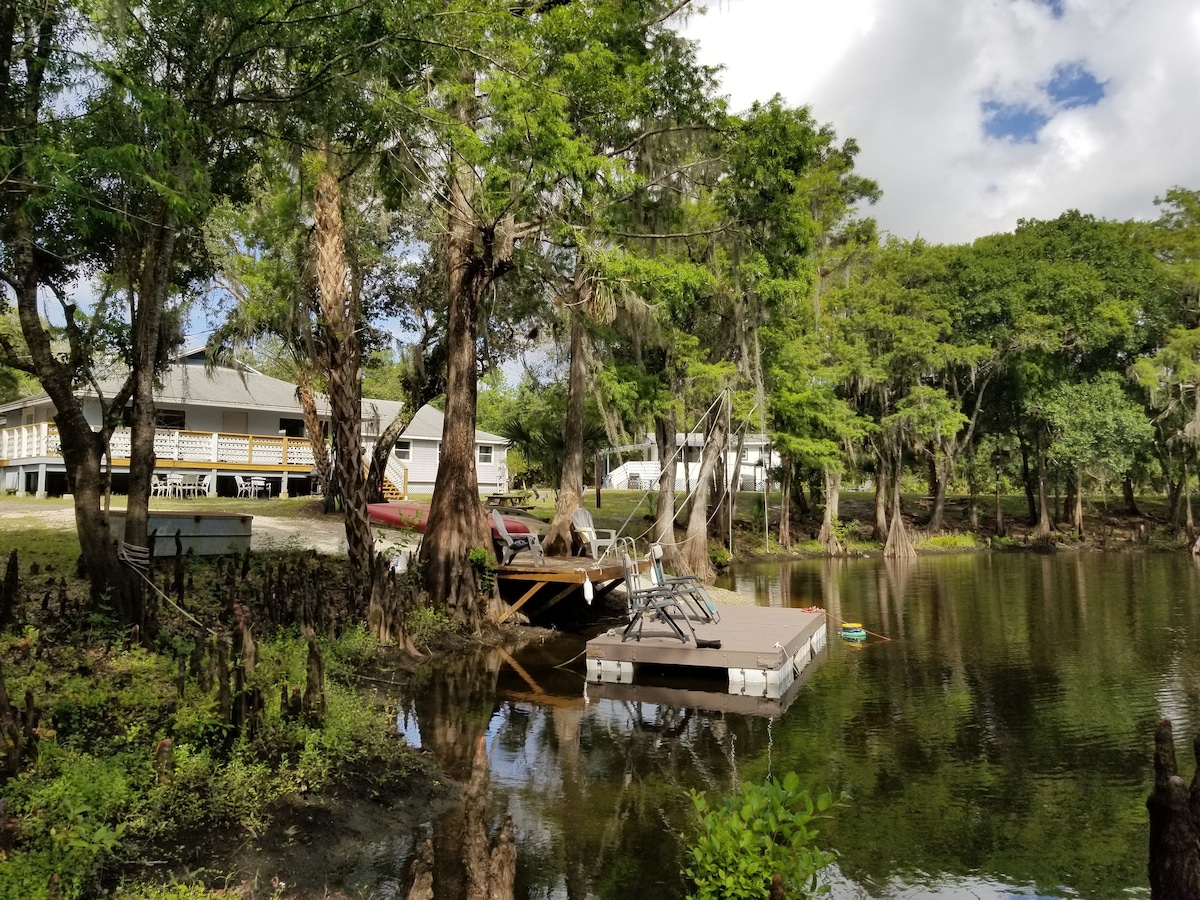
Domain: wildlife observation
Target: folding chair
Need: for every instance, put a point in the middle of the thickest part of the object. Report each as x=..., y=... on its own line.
x=690, y=588
x=595, y=538
x=649, y=600
x=514, y=543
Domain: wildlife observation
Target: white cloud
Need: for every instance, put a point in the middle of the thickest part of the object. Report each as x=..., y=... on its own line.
x=907, y=78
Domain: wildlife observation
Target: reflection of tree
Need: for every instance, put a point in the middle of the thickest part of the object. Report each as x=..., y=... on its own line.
x=453, y=711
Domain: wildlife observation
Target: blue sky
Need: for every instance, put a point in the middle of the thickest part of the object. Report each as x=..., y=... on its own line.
x=974, y=113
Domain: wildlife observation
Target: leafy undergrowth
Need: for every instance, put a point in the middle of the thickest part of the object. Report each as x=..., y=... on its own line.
x=132, y=757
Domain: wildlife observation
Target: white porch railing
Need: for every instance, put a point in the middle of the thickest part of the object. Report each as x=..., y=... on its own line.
x=210, y=448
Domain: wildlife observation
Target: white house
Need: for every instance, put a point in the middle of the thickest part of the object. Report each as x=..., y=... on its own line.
x=419, y=450
x=757, y=458
x=227, y=423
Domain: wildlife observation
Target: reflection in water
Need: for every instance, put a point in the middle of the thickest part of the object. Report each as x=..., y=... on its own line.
x=999, y=745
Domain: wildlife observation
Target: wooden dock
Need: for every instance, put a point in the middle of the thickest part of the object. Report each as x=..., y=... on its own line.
x=762, y=649
x=557, y=578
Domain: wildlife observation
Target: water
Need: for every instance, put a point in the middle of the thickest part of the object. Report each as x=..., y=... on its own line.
x=994, y=735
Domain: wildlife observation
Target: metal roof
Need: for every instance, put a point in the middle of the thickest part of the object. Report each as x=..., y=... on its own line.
x=427, y=426
x=189, y=384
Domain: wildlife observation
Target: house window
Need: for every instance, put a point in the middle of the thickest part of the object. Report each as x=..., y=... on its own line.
x=404, y=450
x=485, y=454
x=291, y=427
x=170, y=418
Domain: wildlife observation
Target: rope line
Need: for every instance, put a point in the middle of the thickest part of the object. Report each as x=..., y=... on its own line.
x=138, y=559
x=743, y=424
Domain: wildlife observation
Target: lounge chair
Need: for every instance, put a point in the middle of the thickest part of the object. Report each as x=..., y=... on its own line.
x=595, y=538
x=516, y=542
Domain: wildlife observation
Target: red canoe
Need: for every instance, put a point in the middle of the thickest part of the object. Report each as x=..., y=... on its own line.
x=414, y=514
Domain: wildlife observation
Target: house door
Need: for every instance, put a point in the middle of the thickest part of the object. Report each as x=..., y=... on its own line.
x=234, y=422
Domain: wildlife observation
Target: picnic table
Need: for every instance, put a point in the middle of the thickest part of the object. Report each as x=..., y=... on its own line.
x=509, y=500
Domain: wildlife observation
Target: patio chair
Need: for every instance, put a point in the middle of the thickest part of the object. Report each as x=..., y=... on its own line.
x=689, y=588
x=648, y=600
x=159, y=486
x=595, y=538
x=244, y=488
x=516, y=542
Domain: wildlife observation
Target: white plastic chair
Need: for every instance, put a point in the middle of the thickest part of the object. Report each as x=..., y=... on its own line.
x=515, y=542
x=595, y=538
x=244, y=487
x=159, y=487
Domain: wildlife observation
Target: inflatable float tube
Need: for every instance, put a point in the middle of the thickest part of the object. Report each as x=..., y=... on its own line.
x=853, y=631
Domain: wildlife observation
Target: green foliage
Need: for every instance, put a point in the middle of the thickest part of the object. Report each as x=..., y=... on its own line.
x=90, y=796
x=426, y=624
x=740, y=844
x=484, y=564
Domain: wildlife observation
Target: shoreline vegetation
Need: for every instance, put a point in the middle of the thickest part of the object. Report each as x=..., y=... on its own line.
x=138, y=770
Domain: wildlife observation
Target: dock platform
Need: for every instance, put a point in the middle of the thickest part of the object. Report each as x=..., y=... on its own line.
x=763, y=649
x=557, y=578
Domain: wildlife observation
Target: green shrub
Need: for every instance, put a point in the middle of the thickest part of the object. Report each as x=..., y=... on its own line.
x=950, y=542
x=737, y=847
x=427, y=623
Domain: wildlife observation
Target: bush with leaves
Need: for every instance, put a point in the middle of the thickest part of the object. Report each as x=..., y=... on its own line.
x=739, y=845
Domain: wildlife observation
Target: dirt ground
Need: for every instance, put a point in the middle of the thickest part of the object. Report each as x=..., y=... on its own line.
x=326, y=534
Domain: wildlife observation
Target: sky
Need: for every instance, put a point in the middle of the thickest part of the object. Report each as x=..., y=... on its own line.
x=972, y=114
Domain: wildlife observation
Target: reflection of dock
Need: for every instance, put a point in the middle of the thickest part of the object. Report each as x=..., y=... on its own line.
x=558, y=578
x=664, y=694
x=762, y=649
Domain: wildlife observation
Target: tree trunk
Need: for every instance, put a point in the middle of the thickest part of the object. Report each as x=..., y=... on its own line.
x=1131, y=506
x=456, y=519
x=1189, y=522
x=315, y=432
x=664, y=513
x=153, y=288
x=82, y=448
x=383, y=450
x=881, y=487
x=1044, y=525
x=570, y=487
x=1027, y=480
x=828, y=535
x=785, y=506
x=344, y=360
x=972, y=489
x=1077, y=502
x=941, y=484
x=718, y=526
x=899, y=545
x=694, y=558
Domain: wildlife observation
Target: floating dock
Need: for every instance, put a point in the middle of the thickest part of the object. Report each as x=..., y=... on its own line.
x=763, y=649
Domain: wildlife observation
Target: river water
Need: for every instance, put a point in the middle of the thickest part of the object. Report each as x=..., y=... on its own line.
x=993, y=736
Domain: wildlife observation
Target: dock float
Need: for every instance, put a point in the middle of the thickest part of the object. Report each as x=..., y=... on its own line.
x=763, y=649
